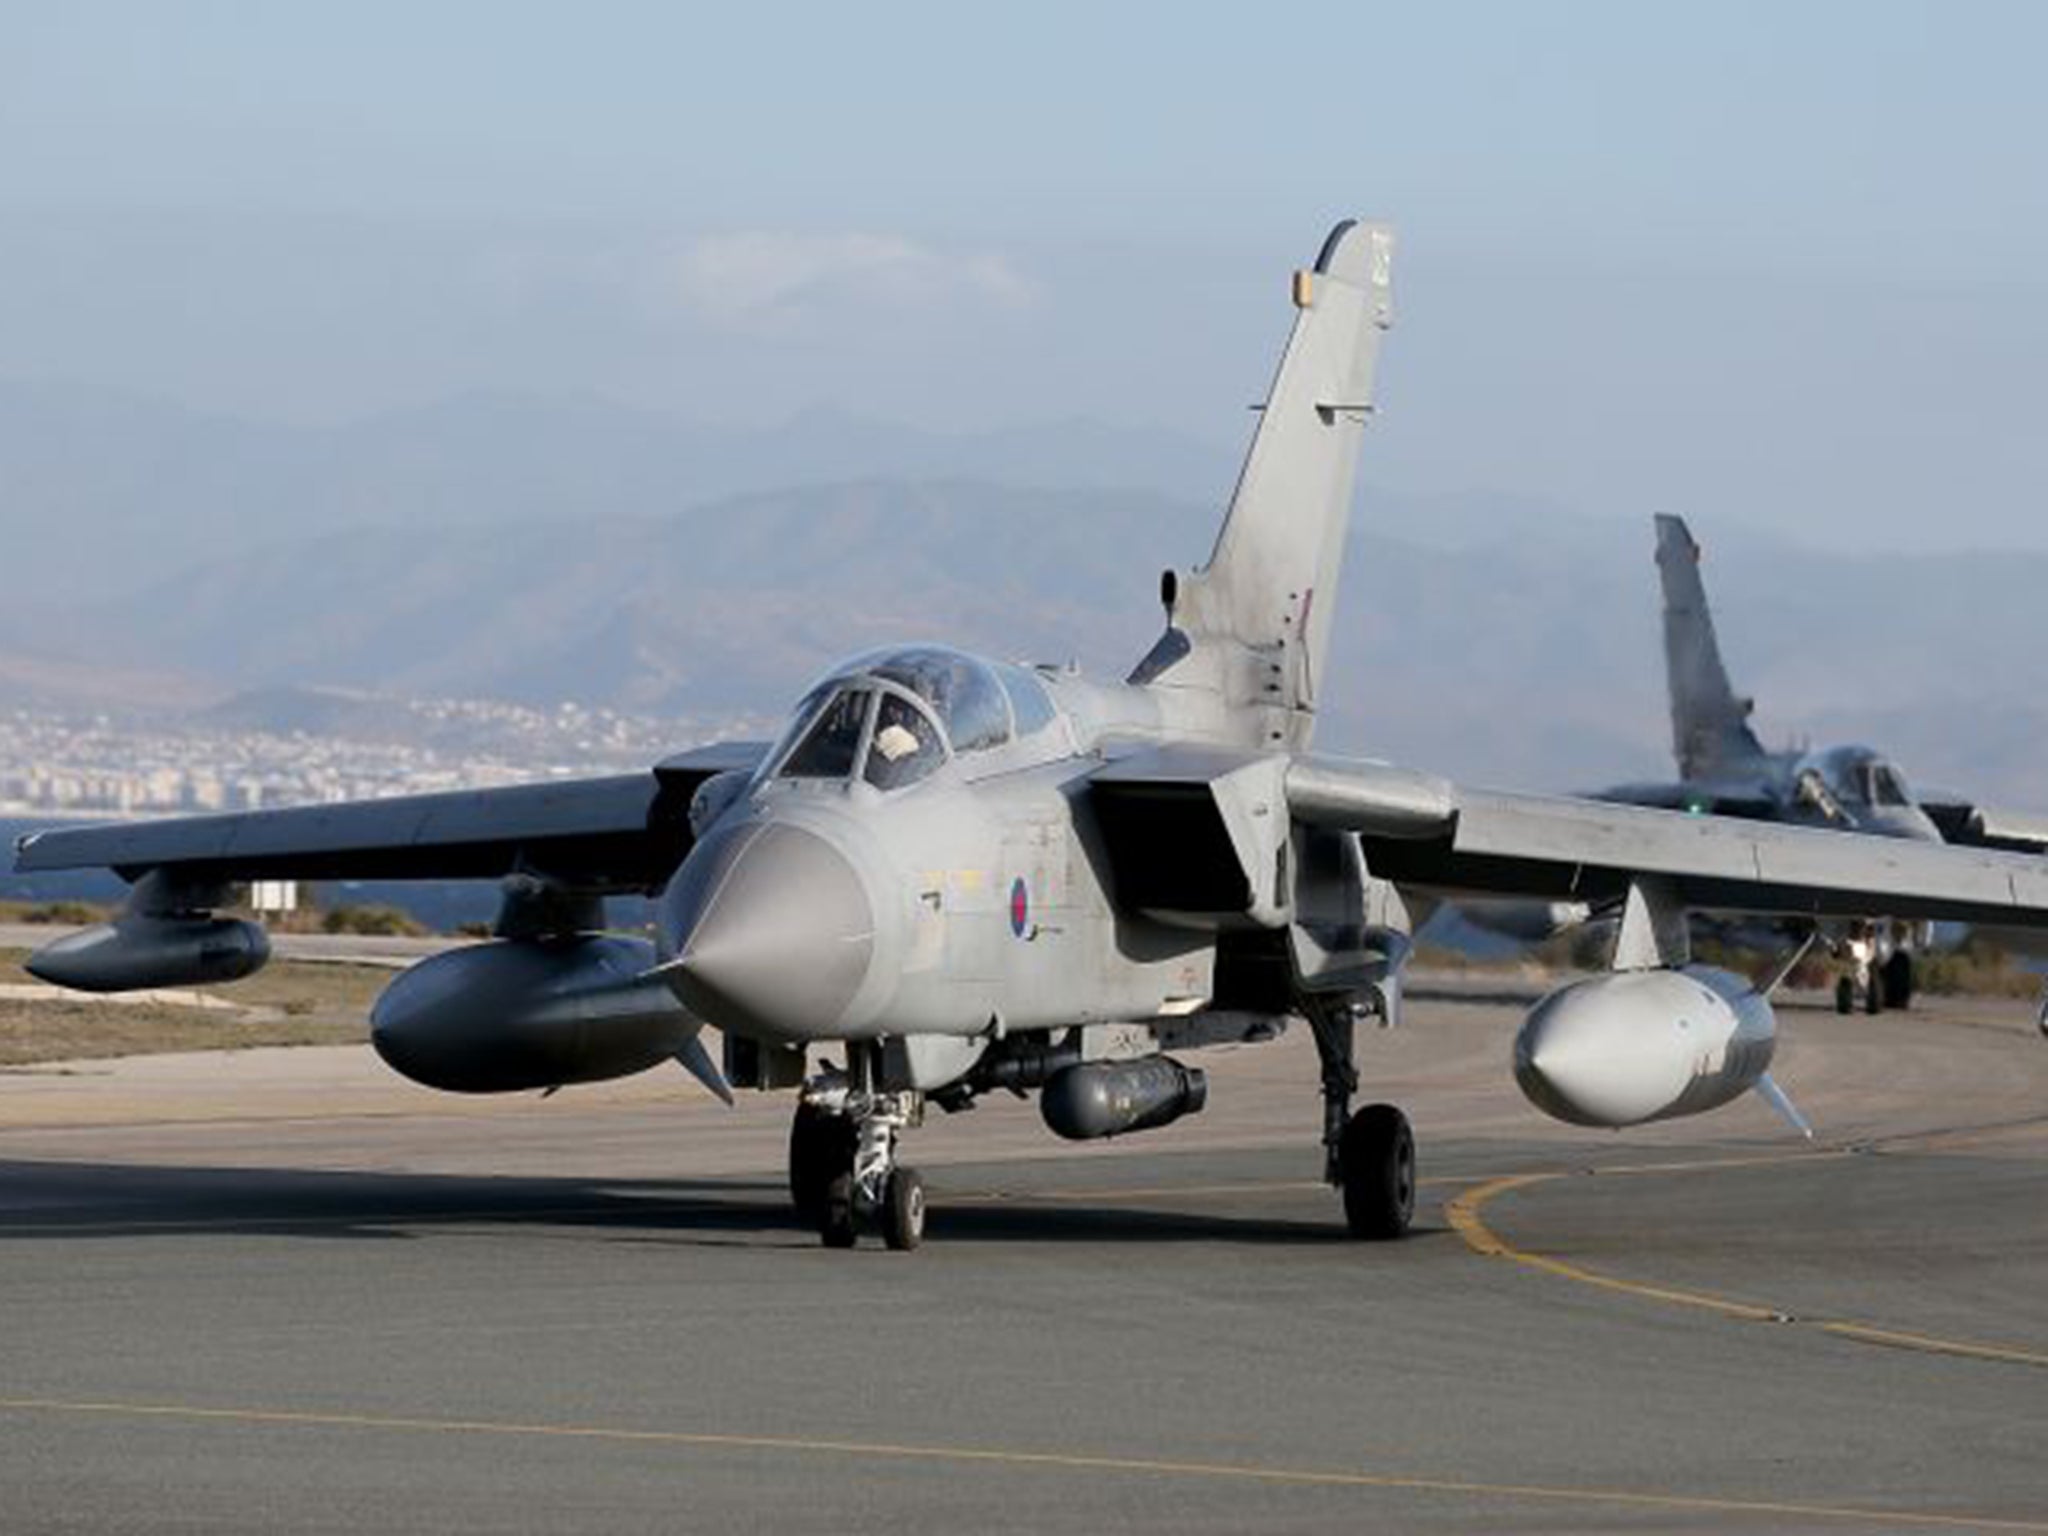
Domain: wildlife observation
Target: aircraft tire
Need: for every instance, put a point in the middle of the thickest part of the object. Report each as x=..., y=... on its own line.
x=1377, y=1161
x=1845, y=995
x=836, y=1222
x=903, y=1210
x=1873, y=992
x=1898, y=979
x=820, y=1145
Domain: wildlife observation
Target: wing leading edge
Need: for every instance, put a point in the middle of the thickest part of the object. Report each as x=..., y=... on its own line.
x=624, y=832
x=1534, y=845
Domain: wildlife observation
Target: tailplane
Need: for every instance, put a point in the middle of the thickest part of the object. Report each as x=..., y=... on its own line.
x=1709, y=724
x=1254, y=623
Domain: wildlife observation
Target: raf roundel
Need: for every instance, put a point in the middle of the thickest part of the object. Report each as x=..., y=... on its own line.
x=1020, y=906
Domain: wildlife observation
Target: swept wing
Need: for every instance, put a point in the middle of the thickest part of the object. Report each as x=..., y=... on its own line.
x=1192, y=832
x=623, y=832
x=1519, y=844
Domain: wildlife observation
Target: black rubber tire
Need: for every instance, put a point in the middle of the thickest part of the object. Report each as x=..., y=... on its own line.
x=1845, y=995
x=1873, y=994
x=1377, y=1161
x=903, y=1210
x=1899, y=979
x=820, y=1145
x=836, y=1221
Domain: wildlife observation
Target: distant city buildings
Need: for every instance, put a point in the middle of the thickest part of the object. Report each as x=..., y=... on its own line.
x=54, y=765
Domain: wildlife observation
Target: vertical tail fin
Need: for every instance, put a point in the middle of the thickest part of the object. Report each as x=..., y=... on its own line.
x=1258, y=615
x=1709, y=724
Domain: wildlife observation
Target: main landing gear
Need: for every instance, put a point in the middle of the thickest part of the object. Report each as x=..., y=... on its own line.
x=1877, y=970
x=1370, y=1155
x=843, y=1172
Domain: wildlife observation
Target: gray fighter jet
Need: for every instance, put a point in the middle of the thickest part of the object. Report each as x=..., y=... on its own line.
x=1724, y=770
x=963, y=876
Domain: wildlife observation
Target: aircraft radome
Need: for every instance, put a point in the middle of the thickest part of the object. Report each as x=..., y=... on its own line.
x=966, y=875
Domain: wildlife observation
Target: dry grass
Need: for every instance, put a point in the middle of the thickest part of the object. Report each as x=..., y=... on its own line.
x=286, y=1003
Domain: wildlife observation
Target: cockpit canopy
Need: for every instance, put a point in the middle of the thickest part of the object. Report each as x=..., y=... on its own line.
x=1858, y=776
x=890, y=718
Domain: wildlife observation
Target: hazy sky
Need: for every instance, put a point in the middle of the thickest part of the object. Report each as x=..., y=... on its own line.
x=1777, y=262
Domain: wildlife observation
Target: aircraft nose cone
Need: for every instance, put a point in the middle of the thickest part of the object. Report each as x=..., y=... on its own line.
x=770, y=931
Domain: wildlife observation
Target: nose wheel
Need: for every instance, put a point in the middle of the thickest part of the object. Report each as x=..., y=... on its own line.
x=843, y=1173
x=902, y=1211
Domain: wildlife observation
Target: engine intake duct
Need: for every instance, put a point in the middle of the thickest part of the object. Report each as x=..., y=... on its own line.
x=1111, y=1098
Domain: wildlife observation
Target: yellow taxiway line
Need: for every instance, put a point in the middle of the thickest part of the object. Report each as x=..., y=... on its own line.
x=1464, y=1212
x=1624, y=1498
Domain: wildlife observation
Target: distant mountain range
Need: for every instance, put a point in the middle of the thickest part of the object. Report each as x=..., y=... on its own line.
x=538, y=550
x=100, y=491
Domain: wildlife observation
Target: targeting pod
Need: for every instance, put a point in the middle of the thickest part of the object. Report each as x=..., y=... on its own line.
x=1109, y=1098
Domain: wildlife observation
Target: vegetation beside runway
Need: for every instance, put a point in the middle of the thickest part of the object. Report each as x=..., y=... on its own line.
x=286, y=1003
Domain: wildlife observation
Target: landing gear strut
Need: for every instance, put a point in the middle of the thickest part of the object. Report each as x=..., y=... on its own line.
x=1370, y=1155
x=1877, y=968
x=1897, y=978
x=842, y=1157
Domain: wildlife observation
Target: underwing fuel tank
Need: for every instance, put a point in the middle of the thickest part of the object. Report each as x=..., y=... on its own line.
x=1108, y=1098
x=136, y=951
x=1635, y=1046
x=515, y=1014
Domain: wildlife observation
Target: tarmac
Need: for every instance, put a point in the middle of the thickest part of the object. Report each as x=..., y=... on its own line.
x=280, y=1290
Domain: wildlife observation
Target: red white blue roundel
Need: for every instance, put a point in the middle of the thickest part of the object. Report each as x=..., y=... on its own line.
x=1020, y=906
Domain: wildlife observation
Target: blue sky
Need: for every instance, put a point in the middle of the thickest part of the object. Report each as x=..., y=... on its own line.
x=1776, y=262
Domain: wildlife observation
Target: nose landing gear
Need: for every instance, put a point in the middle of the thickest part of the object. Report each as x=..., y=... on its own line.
x=842, y=1158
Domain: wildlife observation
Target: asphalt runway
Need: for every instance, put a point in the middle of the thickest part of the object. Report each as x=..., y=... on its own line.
x=278, y=1291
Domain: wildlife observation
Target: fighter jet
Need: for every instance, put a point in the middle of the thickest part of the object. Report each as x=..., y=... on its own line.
x=952, y=876
x=1723, y=769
